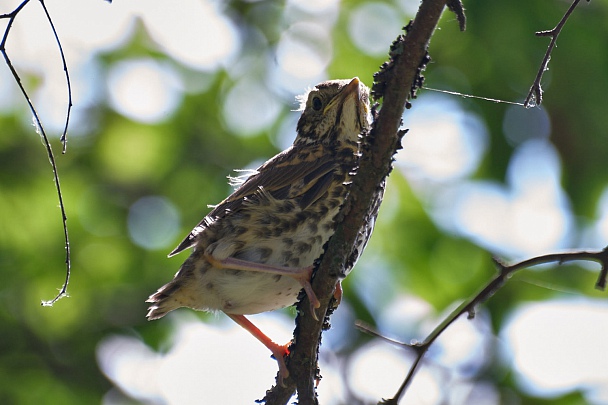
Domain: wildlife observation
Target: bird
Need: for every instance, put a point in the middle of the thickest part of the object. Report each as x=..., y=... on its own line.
x=256, y=250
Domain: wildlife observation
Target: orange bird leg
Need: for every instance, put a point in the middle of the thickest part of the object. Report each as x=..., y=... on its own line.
x=302, y=274
x=338, y=293
x=278, y=351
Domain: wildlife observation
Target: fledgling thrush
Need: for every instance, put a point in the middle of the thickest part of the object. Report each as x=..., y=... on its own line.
x=255, y=251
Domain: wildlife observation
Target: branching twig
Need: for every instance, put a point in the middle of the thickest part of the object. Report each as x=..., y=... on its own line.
x=504, y=272
x=11, y=19
x=535, y=95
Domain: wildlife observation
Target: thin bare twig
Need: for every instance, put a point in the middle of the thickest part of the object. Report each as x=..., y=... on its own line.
x=64, y=134
x=504, y=273
x=457, y=8
x=11, y=19
x=535, y=95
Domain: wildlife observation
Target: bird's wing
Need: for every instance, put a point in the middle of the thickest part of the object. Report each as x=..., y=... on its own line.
x=294, y=173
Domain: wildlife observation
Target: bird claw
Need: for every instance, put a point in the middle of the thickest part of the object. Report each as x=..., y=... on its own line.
x=283, y=371
x=304, y=280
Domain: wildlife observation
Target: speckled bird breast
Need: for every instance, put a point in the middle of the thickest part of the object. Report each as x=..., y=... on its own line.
x=271, y=231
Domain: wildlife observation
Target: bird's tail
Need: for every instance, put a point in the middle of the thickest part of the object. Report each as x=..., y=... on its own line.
x=163, y=301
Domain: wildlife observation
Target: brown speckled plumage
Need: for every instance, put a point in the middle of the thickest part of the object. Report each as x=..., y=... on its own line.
x=281, y=216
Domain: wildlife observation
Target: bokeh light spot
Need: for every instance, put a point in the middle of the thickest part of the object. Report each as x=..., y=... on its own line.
x=520, y=124
x=196, y=367
x=531, y=215
x=376, y=369
x=302, y=57
x=144, y=90
x=315, y=6
x=373, y=25
x=558, y=346
x=153, y=222
x=444, y=143
x=249, y=108
x=196, y=33
x=598, y=232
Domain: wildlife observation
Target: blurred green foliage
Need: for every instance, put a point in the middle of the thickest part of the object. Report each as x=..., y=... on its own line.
x=48, y=354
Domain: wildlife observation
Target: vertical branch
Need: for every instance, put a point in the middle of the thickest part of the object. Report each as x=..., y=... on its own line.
x=399, y=77
x=535, y=95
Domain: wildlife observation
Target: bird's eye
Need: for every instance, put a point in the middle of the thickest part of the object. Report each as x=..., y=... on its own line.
x=317, y=104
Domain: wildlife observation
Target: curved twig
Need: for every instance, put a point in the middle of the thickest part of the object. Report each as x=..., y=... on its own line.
x=40, y=129
x=64, y=134
x=504, y=273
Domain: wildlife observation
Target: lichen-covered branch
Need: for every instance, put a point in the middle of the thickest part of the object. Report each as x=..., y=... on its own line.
x=395, y=84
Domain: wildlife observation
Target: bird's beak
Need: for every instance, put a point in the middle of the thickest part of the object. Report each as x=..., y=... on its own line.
x=351, y=88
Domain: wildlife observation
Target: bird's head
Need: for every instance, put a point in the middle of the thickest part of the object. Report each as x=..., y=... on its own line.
x=334, y=111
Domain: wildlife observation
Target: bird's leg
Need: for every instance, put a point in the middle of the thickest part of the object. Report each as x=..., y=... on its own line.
x=301, y=274
x=278, y=351
x=338, y=293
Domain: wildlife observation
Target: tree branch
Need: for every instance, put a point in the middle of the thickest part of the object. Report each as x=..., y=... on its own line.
x=64, y=134
x=535, y=95
x=40, y=129
x=504, y=273
x=395, y=83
